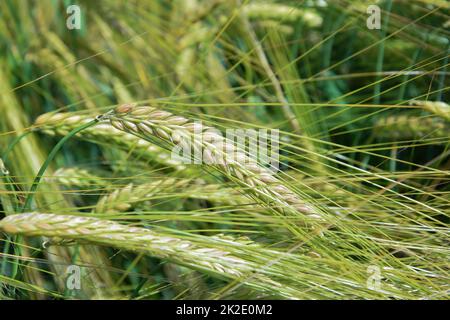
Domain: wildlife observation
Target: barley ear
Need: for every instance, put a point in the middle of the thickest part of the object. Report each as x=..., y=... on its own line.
x=149, y=123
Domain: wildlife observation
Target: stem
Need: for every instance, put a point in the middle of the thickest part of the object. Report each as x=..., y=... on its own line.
x=9, y=185
x=442, y=76
x=49, y=159
x=380, y=57
x=13, y=144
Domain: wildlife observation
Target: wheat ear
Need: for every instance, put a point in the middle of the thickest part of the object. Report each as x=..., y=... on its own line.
x=123, y=199
x=412, y=127
x=62, y=123
x=77, y=177
x=149, y=122
x=223, y=263
x=285, y=13
x=439, y=108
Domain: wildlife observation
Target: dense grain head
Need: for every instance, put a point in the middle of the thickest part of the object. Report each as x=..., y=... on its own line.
x=43, y=118
x=125, y=108
x=160, y=124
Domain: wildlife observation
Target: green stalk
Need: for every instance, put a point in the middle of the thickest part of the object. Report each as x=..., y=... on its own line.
x=441, y=80
x=417, y=53
x=51, y=156
x=13, y=144
x=11, y=206
x=380, y=57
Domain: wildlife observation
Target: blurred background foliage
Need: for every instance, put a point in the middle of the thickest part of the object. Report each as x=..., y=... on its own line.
x=352, y=140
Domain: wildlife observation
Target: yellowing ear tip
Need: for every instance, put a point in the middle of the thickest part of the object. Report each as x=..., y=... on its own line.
x=42, y=119
x=125, y=108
